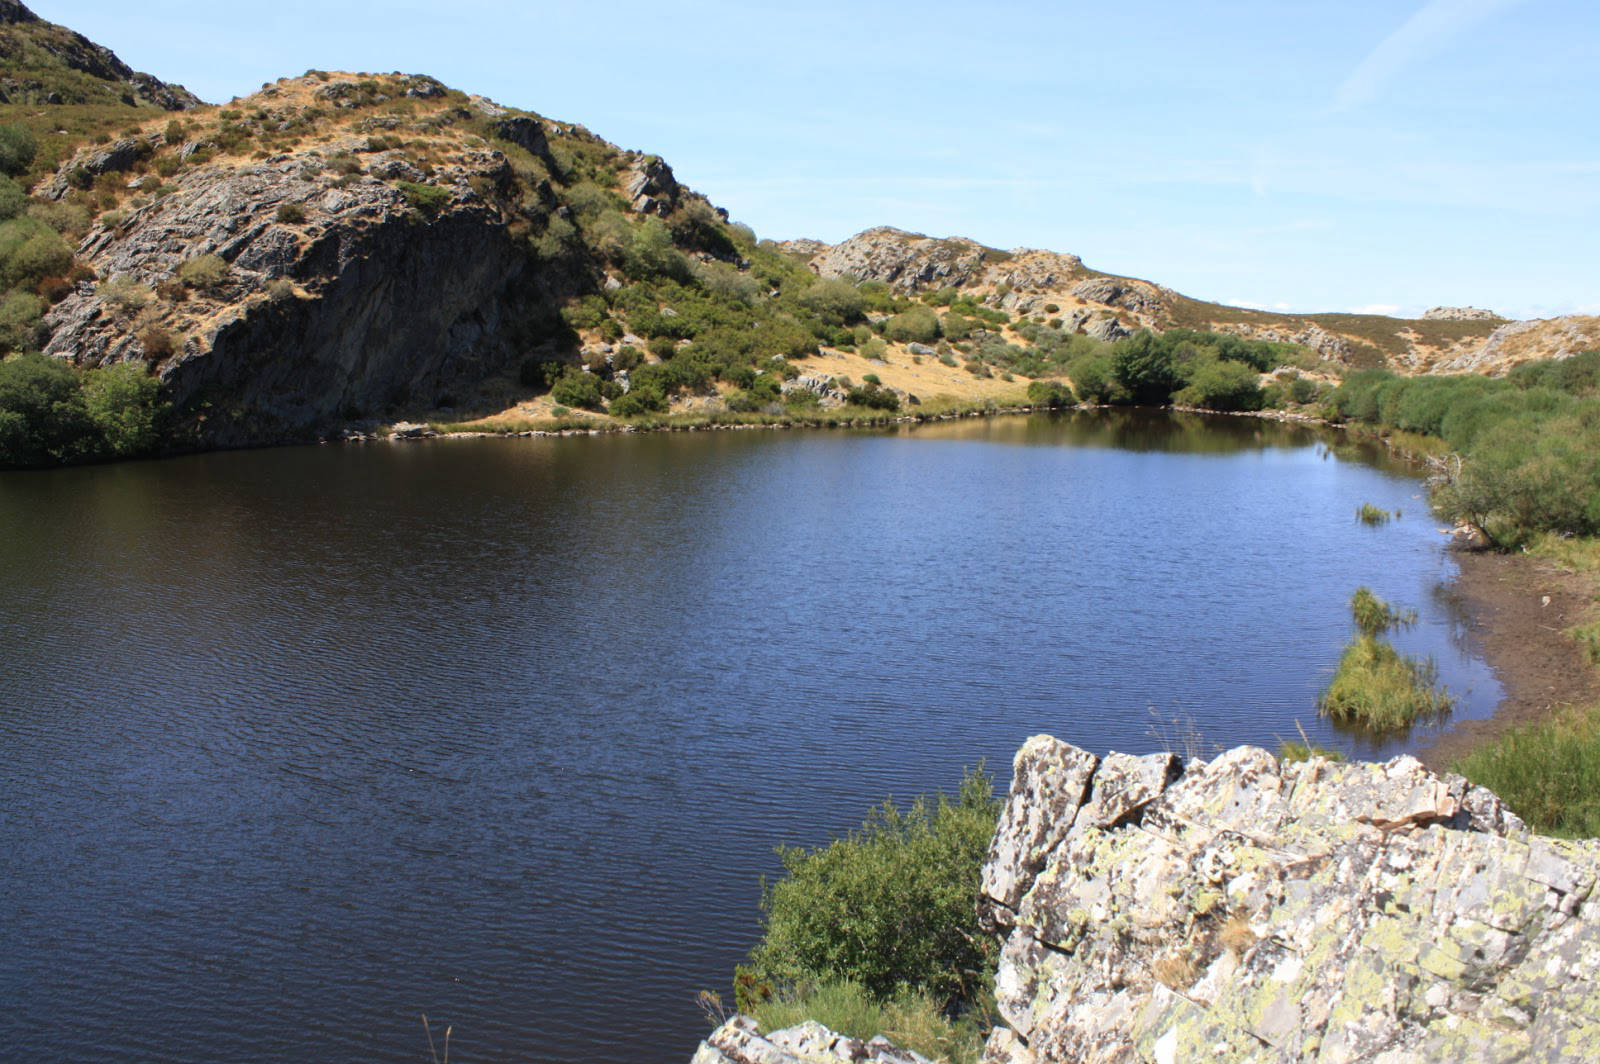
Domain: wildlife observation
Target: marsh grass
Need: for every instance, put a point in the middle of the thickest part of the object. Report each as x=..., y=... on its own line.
x=1548, y=773
x=1374, y=617
x=1373, y=516
x=911, y=1020
x=1378, y=689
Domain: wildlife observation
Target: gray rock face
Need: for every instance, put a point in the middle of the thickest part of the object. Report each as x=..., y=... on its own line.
x=362, y=307
x=906, y=261
x=650, y=186
x=1135, y=296
x=1106, y=329
x=1460, y=314
x=740, y=1042
x=114, y=158
x=1247, y=909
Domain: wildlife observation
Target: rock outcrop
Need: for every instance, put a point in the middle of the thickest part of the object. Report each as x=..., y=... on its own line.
x=50, y=64
x=1250, y=909
x=342, y=286
x=1460, y=314
x=904, y=261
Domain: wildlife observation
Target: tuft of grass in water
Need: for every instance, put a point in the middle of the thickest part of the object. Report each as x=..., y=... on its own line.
x=1373, y=616
x=911, y=1021
x=1548, y=773
x=1373, y=516
x=1381, y=690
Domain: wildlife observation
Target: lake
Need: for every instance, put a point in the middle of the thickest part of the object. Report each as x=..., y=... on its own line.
x=302, y=743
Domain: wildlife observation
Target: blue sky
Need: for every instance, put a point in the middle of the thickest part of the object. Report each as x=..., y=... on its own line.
x=1310, y=155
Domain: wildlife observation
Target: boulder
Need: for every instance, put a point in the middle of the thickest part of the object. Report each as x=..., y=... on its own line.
x=1250, y=909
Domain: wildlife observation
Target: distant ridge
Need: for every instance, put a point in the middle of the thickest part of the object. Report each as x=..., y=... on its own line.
x=43, y=63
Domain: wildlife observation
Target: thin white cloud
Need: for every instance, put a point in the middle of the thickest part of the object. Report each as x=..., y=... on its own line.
x=1422, y=35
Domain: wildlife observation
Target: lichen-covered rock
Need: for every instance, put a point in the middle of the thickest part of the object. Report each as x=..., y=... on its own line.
x=739, y=1041
x=1248, y=909
x=906, y=261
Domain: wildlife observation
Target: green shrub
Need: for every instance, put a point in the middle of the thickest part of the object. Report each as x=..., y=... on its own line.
x=21, y=322
x=891, y=907
x=30, y=251
x=640, y=399
x=125, y=404
x=1052, y=395
x=1218, y=385
x=873, y=398
x=204, y=271
x=13, y=199
x=43, y=419
x=1146, y=370
x=124, y=294
x=1548, y=772
x=917, y=324
x=1374, y=617
x=17, y=149
x=1095, y=380
x=427, y=200
x=290, y=213
x=576, y=388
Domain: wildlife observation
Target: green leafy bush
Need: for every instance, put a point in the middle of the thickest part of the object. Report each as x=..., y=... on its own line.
x=1218, y=385
x=917, y=324
x=126, y=406
x=20, y=322
x=640, y=399
x=17, y=149
x=576, y=388
x=427, y=200
x=891, y=907
x=43, y=419
x=1052, y=395
x=290, y=213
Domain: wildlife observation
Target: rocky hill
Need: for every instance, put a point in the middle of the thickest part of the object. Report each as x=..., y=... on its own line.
x=1027, y=282
x=44, y=63
x=1247, y=909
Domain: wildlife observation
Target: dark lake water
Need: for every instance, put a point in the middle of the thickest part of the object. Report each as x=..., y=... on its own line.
x=302, y=743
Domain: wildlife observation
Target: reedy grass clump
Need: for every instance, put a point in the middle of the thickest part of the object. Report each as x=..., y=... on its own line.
x=1374, y=617
x=1381, y=690
x=1548, y=773
x=1373, y=516
x=1375, y=687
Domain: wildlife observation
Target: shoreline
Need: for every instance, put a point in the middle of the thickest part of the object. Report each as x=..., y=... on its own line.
x=1518, y=608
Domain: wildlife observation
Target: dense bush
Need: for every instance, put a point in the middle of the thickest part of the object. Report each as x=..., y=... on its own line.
x=43, y=419
x=1052, y=395
x=914, y=325
x=124, y=402
x=891, y=907
x=1218, y=385
x=427, y=200
x=1146, y=369
x=1528, y=445
x=576, y=388
x=17, y=149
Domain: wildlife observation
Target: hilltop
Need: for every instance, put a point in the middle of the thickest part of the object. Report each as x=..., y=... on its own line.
x=1031, y=282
